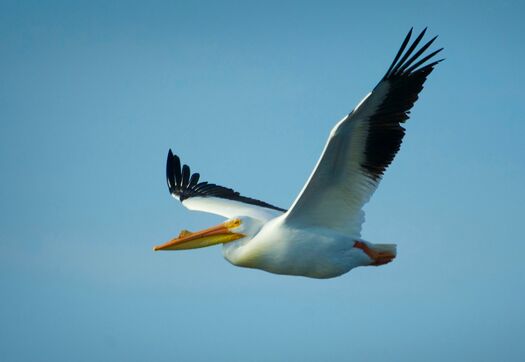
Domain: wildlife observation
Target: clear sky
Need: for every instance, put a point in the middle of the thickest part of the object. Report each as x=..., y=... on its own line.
x=94, y=93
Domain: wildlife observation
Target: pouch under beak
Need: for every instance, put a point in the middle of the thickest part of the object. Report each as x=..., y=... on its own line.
x=218, y=234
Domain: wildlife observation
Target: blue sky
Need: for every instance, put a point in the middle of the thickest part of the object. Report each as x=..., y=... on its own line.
x=94, y=93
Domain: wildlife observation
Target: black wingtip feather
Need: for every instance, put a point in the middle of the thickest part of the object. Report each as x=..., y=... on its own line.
x=194, y=180
x=184, y=185
x=185, y=176
x=414, y=66
x=169, y=173
x=176, y=169
x=405, y=78
x=417, y=54
x=402, y=64
x=399, y=52
x=408, y=52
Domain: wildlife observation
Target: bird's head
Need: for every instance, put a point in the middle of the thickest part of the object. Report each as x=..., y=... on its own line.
x=237, y=228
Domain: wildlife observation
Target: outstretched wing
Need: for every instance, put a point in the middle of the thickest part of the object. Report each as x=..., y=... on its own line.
x=215, y=199
x=362, y=145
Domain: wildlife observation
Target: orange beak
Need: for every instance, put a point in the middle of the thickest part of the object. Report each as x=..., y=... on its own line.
x=218, y=234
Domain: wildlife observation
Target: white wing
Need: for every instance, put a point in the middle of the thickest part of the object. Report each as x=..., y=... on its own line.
x=215, y=199
x=230, y=208
x=361, y=146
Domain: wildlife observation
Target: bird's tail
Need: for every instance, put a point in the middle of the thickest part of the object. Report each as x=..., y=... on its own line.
x=379, y=253
x=386, y=253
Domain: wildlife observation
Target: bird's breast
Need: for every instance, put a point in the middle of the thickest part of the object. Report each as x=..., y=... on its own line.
x=282, y=249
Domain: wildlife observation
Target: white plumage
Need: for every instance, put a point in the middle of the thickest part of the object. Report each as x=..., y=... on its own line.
x=320, y=235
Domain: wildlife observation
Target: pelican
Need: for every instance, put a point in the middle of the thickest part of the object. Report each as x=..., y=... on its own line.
x=319, y=236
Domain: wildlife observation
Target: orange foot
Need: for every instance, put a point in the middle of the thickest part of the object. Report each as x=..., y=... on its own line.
x=378, y=257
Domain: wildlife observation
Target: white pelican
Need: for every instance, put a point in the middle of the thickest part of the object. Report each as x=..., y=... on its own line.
x=319, y=236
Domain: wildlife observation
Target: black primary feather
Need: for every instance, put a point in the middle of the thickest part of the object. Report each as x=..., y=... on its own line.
x=405, y=79
x=184, y=185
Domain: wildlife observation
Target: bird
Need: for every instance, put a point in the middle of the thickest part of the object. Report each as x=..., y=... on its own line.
x=319, y=235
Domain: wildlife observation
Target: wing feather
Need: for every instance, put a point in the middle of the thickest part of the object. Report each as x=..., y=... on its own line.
x=362, y=145
x=207, y=197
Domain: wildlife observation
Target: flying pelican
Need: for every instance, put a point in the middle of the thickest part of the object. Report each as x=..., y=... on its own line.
x=319, y=236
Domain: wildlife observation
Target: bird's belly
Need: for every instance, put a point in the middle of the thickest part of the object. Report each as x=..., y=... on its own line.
x=310, y=253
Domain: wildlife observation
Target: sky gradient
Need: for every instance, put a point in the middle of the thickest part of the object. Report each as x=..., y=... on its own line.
x=94, y=93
